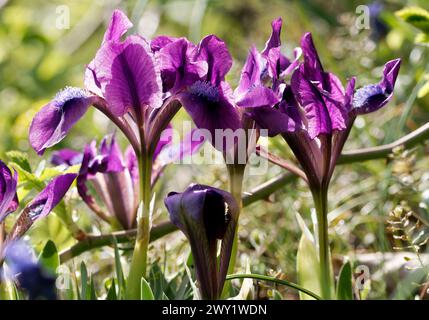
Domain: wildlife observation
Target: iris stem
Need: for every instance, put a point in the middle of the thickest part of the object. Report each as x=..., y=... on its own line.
x=236, y=175
x=320, y=198
x=139, y=260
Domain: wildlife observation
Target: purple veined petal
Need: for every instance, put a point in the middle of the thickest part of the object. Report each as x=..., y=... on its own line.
x=259, y=96
x=316, y=113
x=273, y=120
x=277, y=63
x=128, y=75
x=297, y=53
x=131, y=163
x=67, y=157
x=160, y=42
x=350, y=90
x=52, y=123
x=50, y=196
x=210, y=109
x=313, y=69
x=374, y=96
x=335, y=101
x=215, y=52
x=251, y=73
x=118, y=26
x=274, y=40
x=178, y=69
x=89, y=168
x=8, y=196
x=113, y=154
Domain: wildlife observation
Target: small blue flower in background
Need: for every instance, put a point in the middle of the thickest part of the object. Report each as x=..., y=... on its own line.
x=22, y=267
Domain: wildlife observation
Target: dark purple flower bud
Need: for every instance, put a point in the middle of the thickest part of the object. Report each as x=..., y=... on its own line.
x=52, y=123
x=67, y=157
x=27, y=273
x=8, y=196
x=374, y=96
x=206, y=215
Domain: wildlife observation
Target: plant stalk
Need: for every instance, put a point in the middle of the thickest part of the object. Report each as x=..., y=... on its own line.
x=138, y=266
x=320, y=198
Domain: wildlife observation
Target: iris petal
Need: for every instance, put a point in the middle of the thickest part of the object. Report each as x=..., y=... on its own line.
x=52, y=123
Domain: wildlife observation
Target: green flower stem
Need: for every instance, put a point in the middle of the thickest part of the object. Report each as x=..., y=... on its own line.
x=320, y=198
x=275, y=280
x=139, y=261
x=236, y=174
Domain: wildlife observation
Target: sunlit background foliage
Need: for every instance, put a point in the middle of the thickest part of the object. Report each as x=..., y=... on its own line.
x=37, y=59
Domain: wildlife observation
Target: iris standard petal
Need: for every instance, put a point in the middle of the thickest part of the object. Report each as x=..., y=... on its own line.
x=215, y=52
x=274, y=40
x=251, y=73
x=178, y=66
x=8, y=196
x=128, y=76
x=118, y=26
x=52, y=123
x=317, y=116
x=374, y=96
x=313, y=69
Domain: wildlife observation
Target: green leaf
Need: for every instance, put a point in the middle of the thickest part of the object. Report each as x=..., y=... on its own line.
x=424, y=90
x=19, y=158
x=111, y=294
x=119, y=272
x=146, y=291
x=49, y=257
x=92, y=293
x=83, y=281
x=308, y=269
x=344, y=286
x=417, y=17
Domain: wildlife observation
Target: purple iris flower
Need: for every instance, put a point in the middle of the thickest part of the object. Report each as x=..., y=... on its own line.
x=263, y=73
x=39, y=207
x=209, y=101
x=22, y=267
x=113, y=176
x=66, y=157
x=132, y=81
x=42, y=204
x=206, y=215
x=8, y=196
x=316, y=113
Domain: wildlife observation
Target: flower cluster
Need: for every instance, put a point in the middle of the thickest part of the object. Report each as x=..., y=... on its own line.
x=141, y=84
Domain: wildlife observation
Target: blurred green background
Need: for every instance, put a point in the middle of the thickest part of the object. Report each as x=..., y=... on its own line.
x=38, y=58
